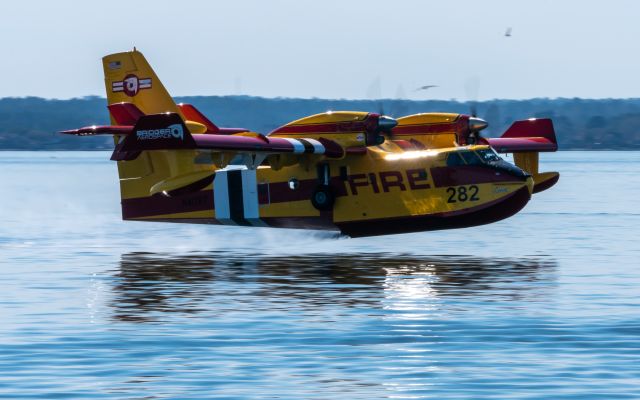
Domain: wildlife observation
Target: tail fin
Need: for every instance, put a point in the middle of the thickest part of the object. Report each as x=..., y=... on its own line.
x=137, y=98
x=130, y=79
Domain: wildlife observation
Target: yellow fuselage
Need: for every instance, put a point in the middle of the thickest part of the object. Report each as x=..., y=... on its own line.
x=383, y=190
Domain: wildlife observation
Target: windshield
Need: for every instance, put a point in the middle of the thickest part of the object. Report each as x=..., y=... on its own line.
x=488, y=155
x=467, y=157
x=471, y=158
x=454, y=160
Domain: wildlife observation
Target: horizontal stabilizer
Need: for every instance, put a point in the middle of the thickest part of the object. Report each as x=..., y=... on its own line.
x=125, y=113
x=193, y=114
x=100, y=130
x=158, y=132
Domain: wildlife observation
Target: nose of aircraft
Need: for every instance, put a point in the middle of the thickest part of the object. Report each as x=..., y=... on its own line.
x=509, y=168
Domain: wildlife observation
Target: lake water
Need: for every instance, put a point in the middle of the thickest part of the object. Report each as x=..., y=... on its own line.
x=545, y=304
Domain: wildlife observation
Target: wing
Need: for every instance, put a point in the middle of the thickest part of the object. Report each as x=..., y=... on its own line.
x=528, y=135
x=169, y=132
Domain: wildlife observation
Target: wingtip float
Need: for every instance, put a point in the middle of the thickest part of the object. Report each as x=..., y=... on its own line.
x=359, y=173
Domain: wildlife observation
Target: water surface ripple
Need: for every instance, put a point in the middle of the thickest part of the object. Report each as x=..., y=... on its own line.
x=543, y=305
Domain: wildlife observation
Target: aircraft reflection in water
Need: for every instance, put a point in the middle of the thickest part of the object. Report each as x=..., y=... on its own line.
x=149, y=285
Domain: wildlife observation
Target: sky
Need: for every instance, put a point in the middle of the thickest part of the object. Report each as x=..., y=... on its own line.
x=353, y=49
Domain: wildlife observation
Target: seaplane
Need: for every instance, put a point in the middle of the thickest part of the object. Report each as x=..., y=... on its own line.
x=356, y=172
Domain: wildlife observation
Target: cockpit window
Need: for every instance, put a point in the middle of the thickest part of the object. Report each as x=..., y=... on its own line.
x=454, y=160
x=471, y=158
x=488, y=155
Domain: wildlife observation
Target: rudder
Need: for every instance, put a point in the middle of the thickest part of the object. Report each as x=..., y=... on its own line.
x=130, y=79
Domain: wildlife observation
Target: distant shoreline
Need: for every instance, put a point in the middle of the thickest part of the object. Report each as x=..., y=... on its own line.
x=31, y=123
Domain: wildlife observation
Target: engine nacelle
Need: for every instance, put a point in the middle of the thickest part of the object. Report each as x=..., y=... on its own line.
x=349, y=129
x=433, y=130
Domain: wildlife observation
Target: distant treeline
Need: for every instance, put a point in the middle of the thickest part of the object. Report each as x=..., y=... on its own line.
x=31, y=123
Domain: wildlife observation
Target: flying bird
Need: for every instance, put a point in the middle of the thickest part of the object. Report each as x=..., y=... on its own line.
x=508, y=32
x=426, y=87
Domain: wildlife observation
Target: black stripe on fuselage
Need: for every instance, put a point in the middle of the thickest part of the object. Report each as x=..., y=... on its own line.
x=236, y=202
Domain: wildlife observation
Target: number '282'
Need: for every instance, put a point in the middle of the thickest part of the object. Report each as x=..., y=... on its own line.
x=462, y=194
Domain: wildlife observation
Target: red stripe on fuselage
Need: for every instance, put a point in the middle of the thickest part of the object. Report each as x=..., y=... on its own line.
x=467, y=175
x=279, y=192
x=160, y=204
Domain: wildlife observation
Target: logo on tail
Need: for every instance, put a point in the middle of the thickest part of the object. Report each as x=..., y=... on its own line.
x=172, y=131
x=131, y=85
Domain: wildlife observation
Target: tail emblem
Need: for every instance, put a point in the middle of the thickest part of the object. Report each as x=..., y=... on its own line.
x=172, y=131
x=131, y=85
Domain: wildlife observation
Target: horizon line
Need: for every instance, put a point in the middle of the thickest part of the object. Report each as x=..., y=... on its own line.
x=453, y=100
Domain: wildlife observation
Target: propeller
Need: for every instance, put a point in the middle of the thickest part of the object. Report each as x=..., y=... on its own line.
x=475, y=124
x=384, y=129
x=398, y=108
x=378, y=128
x=386, y=123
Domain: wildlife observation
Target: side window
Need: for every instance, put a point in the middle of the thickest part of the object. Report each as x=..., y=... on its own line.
x=488, y=155
x=454, y=160
x=471, y=158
